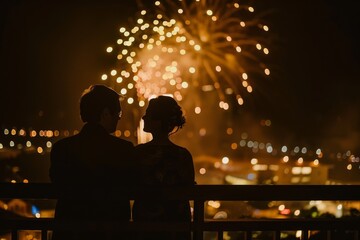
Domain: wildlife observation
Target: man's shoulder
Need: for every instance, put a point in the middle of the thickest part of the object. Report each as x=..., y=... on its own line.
x=63, y=145
x=121, y=141
x=66, y=141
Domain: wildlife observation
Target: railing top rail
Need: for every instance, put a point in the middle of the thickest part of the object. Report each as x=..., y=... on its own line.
x=198, y=192
x=212, y=225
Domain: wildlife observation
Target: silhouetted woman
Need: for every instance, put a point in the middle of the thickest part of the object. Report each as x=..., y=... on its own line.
x=163, y=163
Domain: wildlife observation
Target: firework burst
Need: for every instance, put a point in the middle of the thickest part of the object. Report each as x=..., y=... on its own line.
x=178, y=47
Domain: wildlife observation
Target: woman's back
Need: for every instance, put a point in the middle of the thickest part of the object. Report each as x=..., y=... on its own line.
x=163, y=165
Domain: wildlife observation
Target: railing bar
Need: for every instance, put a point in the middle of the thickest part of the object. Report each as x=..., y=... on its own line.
x=44, y=234
x=248, y=235
x=215, y=226
x=220, y=235
x=199, y=194
x=328, y=235
x=14, y=234
x=356, y=235
x=199, y=219
x=282, y=192
x=304, y=234
x=277, y=235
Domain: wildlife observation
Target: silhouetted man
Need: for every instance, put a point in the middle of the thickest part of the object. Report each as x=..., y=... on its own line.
x=85, y=166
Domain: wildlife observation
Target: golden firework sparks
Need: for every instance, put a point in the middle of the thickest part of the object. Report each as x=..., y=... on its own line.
x=178, y=45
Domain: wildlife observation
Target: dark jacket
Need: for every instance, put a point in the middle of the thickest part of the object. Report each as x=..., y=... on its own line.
x=99, y=161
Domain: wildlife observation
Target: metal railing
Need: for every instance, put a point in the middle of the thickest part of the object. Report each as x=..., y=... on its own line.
x=199, y=195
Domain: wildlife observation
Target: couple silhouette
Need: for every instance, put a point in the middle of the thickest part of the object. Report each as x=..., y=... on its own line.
x=97, y=159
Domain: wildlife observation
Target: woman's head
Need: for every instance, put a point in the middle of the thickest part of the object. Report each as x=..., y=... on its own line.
x=163, y=114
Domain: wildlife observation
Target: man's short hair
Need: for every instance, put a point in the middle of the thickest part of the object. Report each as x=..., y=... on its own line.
x=95, y=99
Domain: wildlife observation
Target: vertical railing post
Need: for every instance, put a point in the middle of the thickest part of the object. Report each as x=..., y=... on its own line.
x=198, y=219
x=44, y=234
x=248, y=235
x=277, y=235
x=304, y=234
x=328, y=235
x=220, y=235
x=14, y=234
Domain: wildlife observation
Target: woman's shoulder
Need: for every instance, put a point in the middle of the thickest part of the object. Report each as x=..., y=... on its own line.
x=179, y=152
x=141, y=145
x=145, y=148
x=170, y=148
x=183, y=150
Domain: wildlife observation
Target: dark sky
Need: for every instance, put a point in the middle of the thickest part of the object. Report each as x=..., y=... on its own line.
x=50, y=53
x=52, y=50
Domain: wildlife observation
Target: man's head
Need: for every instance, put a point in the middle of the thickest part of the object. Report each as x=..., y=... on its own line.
x=100, y=104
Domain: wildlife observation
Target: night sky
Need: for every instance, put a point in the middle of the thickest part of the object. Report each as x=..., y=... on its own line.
x=52, y=50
